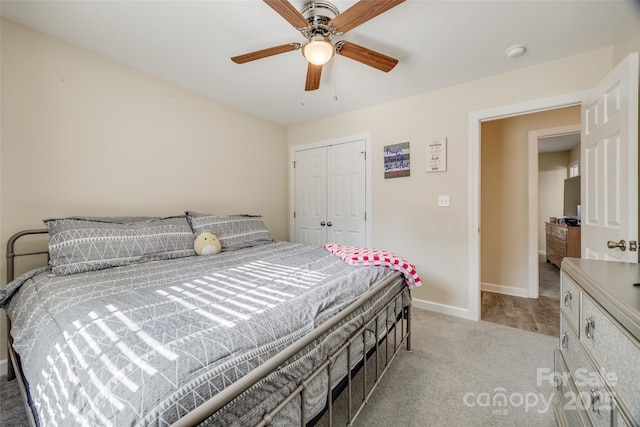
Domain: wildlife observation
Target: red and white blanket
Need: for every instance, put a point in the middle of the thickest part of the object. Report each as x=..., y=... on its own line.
x=355, y=255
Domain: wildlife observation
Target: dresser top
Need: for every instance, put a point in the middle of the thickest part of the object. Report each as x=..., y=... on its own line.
x=611, y=285
x=560, y=224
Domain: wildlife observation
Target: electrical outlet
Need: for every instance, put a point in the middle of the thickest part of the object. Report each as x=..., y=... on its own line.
x=443, y=201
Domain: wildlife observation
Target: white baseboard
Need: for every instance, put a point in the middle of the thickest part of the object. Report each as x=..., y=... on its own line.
x=507, y=290
x=441, y=308
x=3, y=367
x=541, y=252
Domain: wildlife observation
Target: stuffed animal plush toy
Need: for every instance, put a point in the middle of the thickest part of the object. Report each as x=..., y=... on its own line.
x=207, y=244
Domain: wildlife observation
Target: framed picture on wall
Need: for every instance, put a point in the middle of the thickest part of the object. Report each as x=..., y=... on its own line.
x=397, y=160
x=437, y=155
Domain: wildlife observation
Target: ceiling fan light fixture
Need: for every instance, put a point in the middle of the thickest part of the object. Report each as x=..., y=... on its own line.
x=318, y=51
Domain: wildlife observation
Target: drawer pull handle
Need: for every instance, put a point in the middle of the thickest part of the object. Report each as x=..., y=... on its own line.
x=590, y=326
x=595, y=400
x=567, y=298
x=565, y=340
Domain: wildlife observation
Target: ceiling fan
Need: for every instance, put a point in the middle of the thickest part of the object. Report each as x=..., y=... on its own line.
x=317, y=21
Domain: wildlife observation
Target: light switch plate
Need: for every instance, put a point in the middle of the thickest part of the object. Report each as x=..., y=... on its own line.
x=443, y=201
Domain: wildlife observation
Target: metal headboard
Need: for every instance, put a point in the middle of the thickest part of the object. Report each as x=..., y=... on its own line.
x=14, y=370
x=11, y=253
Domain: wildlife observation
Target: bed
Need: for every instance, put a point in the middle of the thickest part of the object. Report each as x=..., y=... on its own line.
x=127, y=326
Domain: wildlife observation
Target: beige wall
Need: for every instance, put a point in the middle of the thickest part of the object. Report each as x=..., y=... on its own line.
x=574, y=156
x=83, y=135
x=405, y=217
x=552, y=171
x=505, y=195
x=628, y=42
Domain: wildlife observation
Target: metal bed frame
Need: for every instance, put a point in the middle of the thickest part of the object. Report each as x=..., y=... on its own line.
x=400, y=336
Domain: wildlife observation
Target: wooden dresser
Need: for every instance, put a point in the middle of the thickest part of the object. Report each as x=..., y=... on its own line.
x=562, y=241
x=597, y=364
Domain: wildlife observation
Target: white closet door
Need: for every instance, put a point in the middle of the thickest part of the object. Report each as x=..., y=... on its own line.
x=346, y=193
x=310, y=196
x=330, y=194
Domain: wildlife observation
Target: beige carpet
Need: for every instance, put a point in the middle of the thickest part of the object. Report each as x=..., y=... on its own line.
x=456, y=373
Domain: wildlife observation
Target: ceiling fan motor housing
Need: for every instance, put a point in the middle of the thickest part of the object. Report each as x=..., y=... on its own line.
x=319, y=14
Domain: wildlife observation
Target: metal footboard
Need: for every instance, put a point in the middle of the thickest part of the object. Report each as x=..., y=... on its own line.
x=366, y=391
x=210, y=407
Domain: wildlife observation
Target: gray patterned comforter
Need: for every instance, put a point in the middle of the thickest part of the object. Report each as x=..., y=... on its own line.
x=146, y=343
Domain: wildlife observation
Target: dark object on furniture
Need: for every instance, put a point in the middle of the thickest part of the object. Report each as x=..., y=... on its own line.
x=562, y=241
x=383, y=332
x=571, y=222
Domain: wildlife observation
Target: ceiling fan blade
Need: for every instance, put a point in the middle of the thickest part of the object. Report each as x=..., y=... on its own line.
x=361, y=12
x=259, y=54
x=366, y=56
x=288, y=12
x=314, y=72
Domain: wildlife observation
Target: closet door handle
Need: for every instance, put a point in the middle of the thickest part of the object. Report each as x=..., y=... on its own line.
x=329, y=224
x=323, y=223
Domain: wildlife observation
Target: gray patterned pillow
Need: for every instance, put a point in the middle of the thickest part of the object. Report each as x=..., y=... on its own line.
x=79, y=244
x=233, y=231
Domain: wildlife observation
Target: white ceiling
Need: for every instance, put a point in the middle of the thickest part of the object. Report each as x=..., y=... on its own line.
x=438, y=44
x=552, y=144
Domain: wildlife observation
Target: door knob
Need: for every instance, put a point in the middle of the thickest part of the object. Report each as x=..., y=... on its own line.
x=329, y=224
x=323, y=223
x=621, y=244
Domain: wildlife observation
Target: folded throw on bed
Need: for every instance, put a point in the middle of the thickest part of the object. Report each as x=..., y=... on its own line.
x=355, y=255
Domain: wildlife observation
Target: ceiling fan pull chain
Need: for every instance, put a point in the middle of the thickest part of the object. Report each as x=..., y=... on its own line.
x=302, y=100
x=335, y=80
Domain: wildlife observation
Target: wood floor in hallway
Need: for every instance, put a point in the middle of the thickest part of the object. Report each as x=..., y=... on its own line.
x=540, y=315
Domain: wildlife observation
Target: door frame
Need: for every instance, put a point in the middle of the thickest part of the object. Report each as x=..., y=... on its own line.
x=475, y=122
x=366, y=136
x=534, y=221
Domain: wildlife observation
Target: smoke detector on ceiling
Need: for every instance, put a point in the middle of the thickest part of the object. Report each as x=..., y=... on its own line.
x=515, y=51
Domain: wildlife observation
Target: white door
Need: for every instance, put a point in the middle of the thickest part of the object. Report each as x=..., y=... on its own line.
x=346, y=194
x=609, y=156
x=330, y=193
x=310, y=196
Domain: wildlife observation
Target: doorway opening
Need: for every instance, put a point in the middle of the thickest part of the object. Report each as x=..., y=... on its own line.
x=557, y=152
x=510, y=187
x=476, y=120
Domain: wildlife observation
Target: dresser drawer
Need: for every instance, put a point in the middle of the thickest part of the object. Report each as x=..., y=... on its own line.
x=570, y=300
x=561, y=233
x=561, y=248
x=592, y=395
x=567, y=413
x=617, y=354
x=623, y=422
